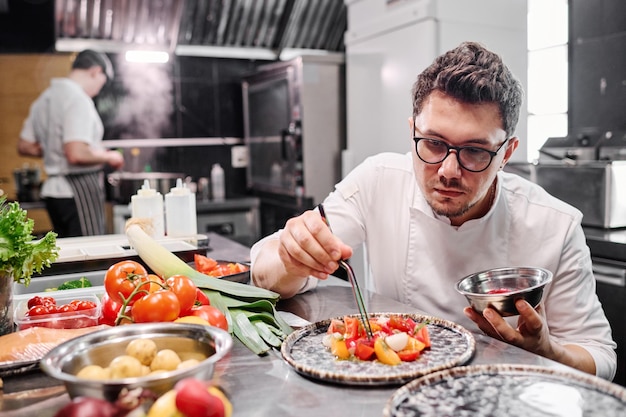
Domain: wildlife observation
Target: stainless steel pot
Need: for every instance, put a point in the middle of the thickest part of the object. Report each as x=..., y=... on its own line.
x=123, y=185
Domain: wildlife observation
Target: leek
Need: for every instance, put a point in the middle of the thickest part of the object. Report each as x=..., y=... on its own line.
x=250, y=311
x=165, y=263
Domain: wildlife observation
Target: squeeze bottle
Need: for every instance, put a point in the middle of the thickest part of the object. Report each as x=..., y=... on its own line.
x=180, y=211
x=148, y=204
x=217, y=182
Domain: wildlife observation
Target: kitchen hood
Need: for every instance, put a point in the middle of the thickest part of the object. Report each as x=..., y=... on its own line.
x=263, y=29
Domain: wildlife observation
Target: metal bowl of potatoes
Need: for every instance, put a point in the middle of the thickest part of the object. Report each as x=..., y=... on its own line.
x=153, y=356
x=500, y=288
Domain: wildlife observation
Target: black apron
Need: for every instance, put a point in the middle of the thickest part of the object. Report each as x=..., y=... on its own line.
x=89, y=197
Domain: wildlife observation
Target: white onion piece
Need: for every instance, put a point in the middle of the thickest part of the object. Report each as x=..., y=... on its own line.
x=397, y=341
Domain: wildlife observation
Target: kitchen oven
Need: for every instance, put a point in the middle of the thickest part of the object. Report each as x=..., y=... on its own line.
x=294, y=132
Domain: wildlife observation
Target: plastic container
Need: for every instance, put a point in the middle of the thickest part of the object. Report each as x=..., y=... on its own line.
x=148, y=204
x=217, y=183
x=70, y=320
x=180, y=211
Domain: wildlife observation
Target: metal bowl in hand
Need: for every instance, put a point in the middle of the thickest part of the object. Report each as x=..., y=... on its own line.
x=500, y=288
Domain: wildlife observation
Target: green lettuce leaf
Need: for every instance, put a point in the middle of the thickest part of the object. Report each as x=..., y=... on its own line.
x=21, y=255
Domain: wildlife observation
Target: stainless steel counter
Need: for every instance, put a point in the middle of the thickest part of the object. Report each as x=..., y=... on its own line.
x=267, y=386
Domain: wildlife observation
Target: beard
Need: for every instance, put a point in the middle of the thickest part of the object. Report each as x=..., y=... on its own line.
x=448, y=207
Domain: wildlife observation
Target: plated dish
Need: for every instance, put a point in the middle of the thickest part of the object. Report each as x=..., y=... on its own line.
x=303, y=350
x=507, y=391
x=223, y=269
x=243, y=277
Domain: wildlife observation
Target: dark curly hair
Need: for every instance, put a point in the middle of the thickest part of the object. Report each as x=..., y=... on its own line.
x=473, y=74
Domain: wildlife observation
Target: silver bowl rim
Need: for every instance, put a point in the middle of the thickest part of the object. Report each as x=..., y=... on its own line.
x=53, y=361
x=546, y=281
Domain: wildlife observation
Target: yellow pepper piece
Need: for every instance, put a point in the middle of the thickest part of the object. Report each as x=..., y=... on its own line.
x=385, y=354
x=339, y=349
x=414, y=344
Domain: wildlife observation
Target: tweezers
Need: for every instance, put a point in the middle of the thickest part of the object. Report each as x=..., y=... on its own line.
x=355, y=285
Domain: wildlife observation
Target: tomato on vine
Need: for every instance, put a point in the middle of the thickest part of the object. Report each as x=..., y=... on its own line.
x=157, y=306
x=185, y=289
x=212, y=314
x=122, y=278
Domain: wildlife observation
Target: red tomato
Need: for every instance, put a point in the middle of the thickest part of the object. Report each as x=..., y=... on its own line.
x=66, y=308
x=204, y=264
x=354, y=328
x=337, y=326
x=122, y=278
x=110, y=310
x=408, y=355
x=201, y=298
x=401, y=324
x=423, y=336
x=37, y=310
x=39, y=300
x=157, y=306
x=364, y=349
x=83, y=304
x=185, y=289
x=213, y=315
x=194, y=400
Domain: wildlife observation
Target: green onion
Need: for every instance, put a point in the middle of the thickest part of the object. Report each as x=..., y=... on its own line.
x=249, y=335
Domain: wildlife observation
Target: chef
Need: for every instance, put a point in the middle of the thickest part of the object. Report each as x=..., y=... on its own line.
x=446, y=210
x=64, y=128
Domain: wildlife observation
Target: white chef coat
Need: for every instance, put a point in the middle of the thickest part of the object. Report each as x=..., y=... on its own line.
x=62, y=113
x=417, y=257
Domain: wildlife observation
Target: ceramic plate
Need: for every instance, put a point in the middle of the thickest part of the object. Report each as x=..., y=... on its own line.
x=507, y=391
x=452, y=345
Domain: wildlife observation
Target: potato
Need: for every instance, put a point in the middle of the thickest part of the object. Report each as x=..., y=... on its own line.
x=189, y=363
x=143, y=349
x=94, y=372
x=125, y=366
x=166, y=360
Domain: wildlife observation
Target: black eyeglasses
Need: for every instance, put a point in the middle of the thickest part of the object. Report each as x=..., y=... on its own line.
x=471, y=158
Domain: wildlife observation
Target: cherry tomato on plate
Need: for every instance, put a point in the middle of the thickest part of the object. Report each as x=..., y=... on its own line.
x=213, y=315
x=122, y=278
x=155, y=307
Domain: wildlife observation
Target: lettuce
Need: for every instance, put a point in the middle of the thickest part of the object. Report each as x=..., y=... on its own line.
x=20, y=254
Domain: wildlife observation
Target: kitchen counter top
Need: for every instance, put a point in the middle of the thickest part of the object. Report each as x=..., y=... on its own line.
x=267, y=385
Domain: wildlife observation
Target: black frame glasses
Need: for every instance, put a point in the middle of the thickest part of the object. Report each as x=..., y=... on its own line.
x=471, y=154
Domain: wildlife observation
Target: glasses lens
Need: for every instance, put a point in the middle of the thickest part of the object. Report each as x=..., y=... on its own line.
x=431, y=151
x=474, y=159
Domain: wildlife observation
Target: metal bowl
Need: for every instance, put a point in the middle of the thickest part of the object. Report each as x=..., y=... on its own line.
x=99, y=348
x=499, y=288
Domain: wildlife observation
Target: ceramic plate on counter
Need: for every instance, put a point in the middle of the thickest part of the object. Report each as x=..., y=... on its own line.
x=508, y=391
x=452, y=345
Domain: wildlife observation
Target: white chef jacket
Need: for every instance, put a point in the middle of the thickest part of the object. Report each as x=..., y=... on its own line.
x=417, y=257
x=62, y=113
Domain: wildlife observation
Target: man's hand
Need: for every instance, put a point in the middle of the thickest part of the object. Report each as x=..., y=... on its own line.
x=308, y=247
x=305, y=247
x=531, y=334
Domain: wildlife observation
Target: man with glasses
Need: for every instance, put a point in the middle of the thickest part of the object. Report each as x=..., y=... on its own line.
x=446, y=210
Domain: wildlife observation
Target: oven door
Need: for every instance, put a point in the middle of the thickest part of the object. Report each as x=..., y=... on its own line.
x=272, y=130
